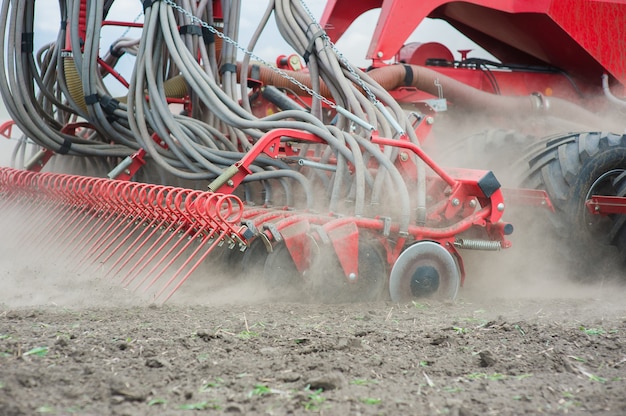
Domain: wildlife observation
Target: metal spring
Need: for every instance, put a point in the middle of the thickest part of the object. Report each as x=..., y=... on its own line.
x=471, y=244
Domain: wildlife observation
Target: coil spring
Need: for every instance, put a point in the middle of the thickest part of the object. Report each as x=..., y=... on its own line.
x=471, y=244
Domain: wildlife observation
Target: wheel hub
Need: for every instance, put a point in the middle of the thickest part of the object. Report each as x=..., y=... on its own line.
x=425, y=281
x=425, y=269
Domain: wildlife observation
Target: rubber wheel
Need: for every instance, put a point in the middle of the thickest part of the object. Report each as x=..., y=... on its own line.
x=330, y=285
x=618, y=231
x=571, y=168
x=424, y=270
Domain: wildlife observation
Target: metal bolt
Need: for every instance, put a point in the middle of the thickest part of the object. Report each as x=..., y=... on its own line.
x=352, y=277
x=126, y=171
x=472, y=203
x=500, y=207
x=455, y=202
x=380, y=54
x=230, y=182
x=430, y=120
x=404, y=156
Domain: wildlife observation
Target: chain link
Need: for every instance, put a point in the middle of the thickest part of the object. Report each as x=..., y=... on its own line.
x=233, y=42
x=340, y=55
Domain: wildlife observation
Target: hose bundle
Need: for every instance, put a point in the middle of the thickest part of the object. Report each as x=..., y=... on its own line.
x=185, y=50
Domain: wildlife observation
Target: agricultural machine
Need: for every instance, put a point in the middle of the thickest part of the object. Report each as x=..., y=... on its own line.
x=310, y=174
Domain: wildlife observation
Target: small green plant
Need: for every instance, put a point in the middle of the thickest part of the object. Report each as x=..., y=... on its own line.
x=519, y=329
x=523, y=376
x=157, y=401
x=598, y=379
x=579, y=359
x=315, y=400
x=459, y=330
x=45, y=409
x=371, y=400
x=592, y=331
x=247, y=334
x=418, y=305
x=260, y=390
x=5, y=336
x=450, y=389
x=38, y=351
x=212, y=384
x=485, y=376
x=424, y=363
x=207, y=404
x=362, y=382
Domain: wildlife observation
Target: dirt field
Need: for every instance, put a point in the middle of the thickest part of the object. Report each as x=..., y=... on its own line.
x=514, y=342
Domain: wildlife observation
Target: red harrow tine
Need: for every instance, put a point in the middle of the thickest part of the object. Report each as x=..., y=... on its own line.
x=122, y=222
x=70, y=213
x=217, y=213
x=139, y=214
x=181, y=202
x=99, y=216
x=154, y=200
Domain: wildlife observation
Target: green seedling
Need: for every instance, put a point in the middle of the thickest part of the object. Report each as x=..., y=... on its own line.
x=459, y=330
x=485, y=376
x=207, y=404
x=247, y=334
x=418, y=305
x=523, y=376
x=38, y=351
x=315, y=400
x=45, y=409
x=155, y=402
x=260, y=390
x=519, y=329
x=212, y=384
x=592, y=331
x=599, y=379
x=363, y=382
x=371, y=400
x=452, y=389
x=5, y=336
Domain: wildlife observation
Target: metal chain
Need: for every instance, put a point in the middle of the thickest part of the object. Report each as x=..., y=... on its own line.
x=233, y=42
x=340, y=55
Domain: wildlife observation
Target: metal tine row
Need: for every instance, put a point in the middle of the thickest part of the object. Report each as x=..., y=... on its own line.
x=122, y=228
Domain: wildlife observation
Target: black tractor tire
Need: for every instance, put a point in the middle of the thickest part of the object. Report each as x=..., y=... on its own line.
x=571, y=168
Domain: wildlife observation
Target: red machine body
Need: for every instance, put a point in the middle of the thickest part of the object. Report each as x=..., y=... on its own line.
x=572, y=35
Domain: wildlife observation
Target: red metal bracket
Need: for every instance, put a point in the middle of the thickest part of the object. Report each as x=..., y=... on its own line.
x=345, y=240
x=528, y=197
x=605, y=205
x=6, y=128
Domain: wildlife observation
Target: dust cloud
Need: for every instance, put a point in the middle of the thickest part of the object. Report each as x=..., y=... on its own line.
x=540, y=265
